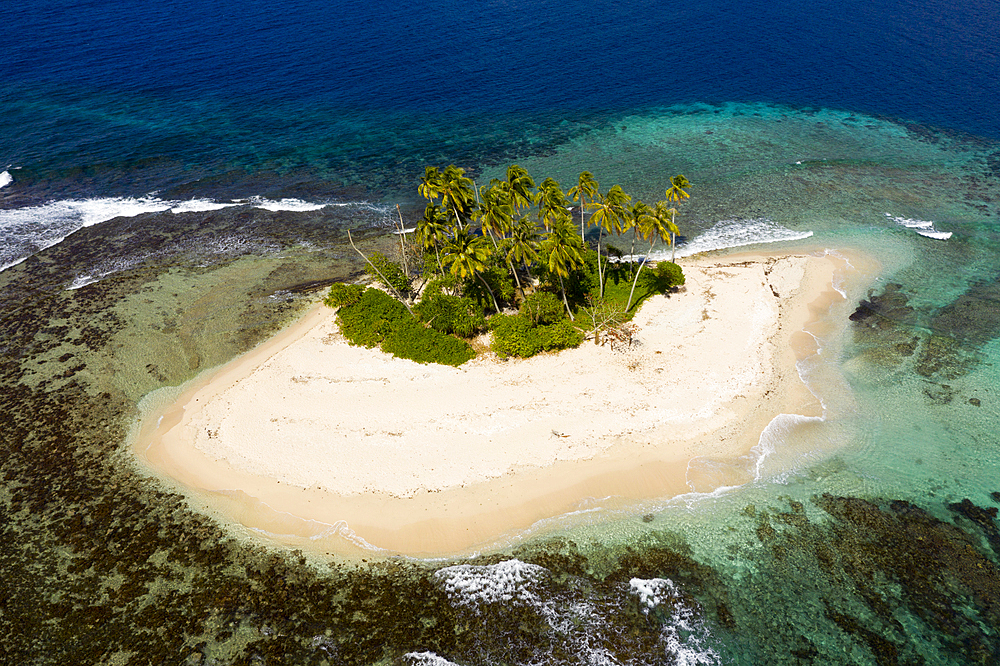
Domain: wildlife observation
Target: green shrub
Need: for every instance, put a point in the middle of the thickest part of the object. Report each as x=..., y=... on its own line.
x=377, y=318
x=443, y=285
x=389, y=273
x=452, y=314
x=513, y=335
x=412, y=340
x=560, y=335
x=498, y=278
x=663, y=277
x=542, y=308
x=342, y=294
x=369, y=319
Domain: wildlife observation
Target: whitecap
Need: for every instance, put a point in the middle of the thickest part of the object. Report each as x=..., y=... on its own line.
x=653, y=591
x=734, y=233
x=426, y=659
x=923, y=227
x=6, y=179
x=504, y=582
x=295, y=205
x=200, y=206
x=25, y=231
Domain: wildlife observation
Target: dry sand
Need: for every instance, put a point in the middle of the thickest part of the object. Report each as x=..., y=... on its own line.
x=333, y=447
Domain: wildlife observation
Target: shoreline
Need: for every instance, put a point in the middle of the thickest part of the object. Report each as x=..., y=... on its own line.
x=459, y=460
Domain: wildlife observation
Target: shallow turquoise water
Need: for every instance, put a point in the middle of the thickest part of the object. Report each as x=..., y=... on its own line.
x=849, y=543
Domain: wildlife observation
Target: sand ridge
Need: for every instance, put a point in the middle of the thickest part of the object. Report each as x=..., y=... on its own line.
x=311, y=438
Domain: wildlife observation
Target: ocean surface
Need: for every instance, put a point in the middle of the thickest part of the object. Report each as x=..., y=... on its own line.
x=176, y=180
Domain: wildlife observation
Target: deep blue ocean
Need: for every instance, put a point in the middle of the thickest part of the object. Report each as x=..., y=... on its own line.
x=175, y=176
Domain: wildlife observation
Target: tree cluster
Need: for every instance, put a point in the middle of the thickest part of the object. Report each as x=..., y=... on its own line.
x=512, y=244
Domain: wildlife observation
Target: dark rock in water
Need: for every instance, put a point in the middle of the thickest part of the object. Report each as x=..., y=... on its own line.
x=975, y=402
x=973, y=317
x=940, y=394
x=995, y=496
x=885, y=310
x=865, y=310
x=985, y=519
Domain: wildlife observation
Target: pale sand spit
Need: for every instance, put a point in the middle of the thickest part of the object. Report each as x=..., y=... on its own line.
x=339, y=448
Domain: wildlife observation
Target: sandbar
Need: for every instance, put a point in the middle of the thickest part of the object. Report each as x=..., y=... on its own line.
x=336, y=448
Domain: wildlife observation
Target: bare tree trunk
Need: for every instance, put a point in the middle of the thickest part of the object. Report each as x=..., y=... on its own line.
x=402, y=237
x=375, y=268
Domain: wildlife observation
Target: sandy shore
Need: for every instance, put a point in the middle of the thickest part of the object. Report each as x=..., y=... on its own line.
x=332, y=447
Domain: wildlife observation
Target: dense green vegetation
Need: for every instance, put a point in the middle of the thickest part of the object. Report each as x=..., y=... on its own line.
x=510, y=245
x=378, y=319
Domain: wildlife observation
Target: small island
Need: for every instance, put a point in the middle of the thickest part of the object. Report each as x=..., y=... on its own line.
x=341, y=447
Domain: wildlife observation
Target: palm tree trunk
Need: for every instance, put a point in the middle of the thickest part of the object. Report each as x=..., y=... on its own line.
x=635, y=280
x=513, y=272
x=492, y=295
x=565, y=301
x=600, y=275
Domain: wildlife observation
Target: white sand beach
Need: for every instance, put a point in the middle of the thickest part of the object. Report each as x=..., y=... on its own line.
x=335, y=447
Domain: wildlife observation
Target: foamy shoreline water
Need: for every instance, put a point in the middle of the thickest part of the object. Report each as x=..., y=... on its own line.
x=456, y=458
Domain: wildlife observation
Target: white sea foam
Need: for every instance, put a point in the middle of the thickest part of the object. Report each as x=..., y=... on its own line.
x=923, y=227
x=25, y=231
x=777, y=431
x=685, y=636
x=733, y=233
x=426, y=659
x=295, y=205
x=653, y=591
x=200, y=206
x=105, y=269
x=505, y=582
x=6, y=179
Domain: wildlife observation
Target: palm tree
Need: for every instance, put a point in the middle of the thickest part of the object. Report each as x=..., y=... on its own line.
x=432, y=231
x=523, y=246
x=519, y=188
x=430, y=184
x=585, y=188
x=496, y=218
x=466, y=255
x=457, y=193
x=452, y=187
x=551, y=202
x=495, y=213
x=638, y=219
x=676, y=193
x=657, y=224
x=609, y=215
x=563, y=250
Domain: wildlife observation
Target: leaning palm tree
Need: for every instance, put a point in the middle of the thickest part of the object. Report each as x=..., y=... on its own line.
x=563, y=250
x=458, y=193
x=609, y=215
x=432, y=231
x=638, y=218
x=465, y=256
x=658, y=224
x=676, y=193
x=667, y=217
x=585, y=188
x=523, y=247
x=551, y=202
x=495, y=214
x=519, y=188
